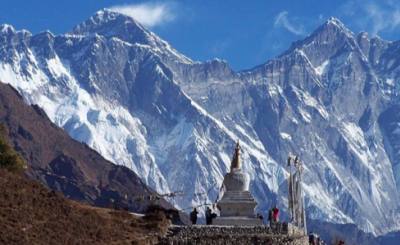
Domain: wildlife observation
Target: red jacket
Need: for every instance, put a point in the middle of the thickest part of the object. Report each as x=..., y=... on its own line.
x=275, y=214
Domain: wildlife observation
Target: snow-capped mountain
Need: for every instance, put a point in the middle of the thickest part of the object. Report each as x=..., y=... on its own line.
x=330, y=98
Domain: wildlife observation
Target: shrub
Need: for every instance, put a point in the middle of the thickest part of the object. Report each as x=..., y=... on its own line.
x=9, y=158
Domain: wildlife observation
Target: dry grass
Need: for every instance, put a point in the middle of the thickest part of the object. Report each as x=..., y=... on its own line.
x=31, y=214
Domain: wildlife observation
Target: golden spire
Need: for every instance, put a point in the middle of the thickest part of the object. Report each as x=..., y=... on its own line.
x=235, y=164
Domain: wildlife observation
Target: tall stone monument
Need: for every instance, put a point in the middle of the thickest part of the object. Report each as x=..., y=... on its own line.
x=237, y=204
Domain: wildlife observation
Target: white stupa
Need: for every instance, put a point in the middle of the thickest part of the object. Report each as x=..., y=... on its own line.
x=237, y=204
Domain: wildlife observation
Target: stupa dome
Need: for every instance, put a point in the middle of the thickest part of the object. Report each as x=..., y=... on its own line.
x=236, y=180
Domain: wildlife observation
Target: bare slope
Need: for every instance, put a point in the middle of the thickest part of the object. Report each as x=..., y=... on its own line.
x=31, y=214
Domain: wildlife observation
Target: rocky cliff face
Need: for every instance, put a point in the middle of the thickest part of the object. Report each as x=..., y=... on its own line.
x=330, y=98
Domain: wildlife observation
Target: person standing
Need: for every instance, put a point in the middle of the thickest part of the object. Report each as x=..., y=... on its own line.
x=259, y=216
x=208, y=216
x=193, y=216
x=270, y=219
x=311, y=238
x=275, y=214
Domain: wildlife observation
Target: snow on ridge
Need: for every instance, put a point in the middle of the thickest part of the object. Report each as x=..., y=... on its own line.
x=232, y=135
x=274, y=89
x=310, y=101
x=102, y=126
x=255, y=142
x=324, y=203
x=336, y=22
x=390, y=82
x=358, y=145
x=286, y=136
x=6, y=27
x=319, y=70
x=103, y=16
x=355, y=137
x=304, y=55
x=250, y=147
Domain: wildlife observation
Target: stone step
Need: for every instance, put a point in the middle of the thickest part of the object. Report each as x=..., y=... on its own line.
x=238, y=195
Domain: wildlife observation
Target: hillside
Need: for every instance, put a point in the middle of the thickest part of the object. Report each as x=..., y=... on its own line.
x=32, y=214
x=66, y=165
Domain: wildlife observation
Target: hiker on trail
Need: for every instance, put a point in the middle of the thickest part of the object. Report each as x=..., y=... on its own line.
x=193, y=216
x=209, y=216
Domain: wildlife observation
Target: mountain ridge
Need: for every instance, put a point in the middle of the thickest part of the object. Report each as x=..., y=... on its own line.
x=65, y=165
x=323, y=104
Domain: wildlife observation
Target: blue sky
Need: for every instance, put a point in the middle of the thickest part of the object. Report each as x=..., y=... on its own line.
x=245, y=33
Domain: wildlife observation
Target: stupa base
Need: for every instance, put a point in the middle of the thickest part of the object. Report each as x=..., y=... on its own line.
x=237, y=221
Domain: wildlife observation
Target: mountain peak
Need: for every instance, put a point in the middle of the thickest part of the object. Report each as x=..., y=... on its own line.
x=109, y=23
x=6, y=28
x=106, y=14
x=107, y=20
x=328, y=38
x=112, y=24
x=335, y=23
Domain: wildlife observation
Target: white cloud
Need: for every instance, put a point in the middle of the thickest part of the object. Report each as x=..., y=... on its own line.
x=148, y=14
x=382, y=18
x=282, y=20
x=374, y=17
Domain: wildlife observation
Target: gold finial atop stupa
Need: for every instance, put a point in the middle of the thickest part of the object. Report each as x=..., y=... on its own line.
x=235, y=164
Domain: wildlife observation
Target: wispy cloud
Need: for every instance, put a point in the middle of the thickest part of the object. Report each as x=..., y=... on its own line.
x=282, y=20
x=148, y=14
x=220, y=46
x=383, y=18
x=372, y=16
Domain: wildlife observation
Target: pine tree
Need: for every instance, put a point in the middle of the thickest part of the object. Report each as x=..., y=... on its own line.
x=9, y=158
